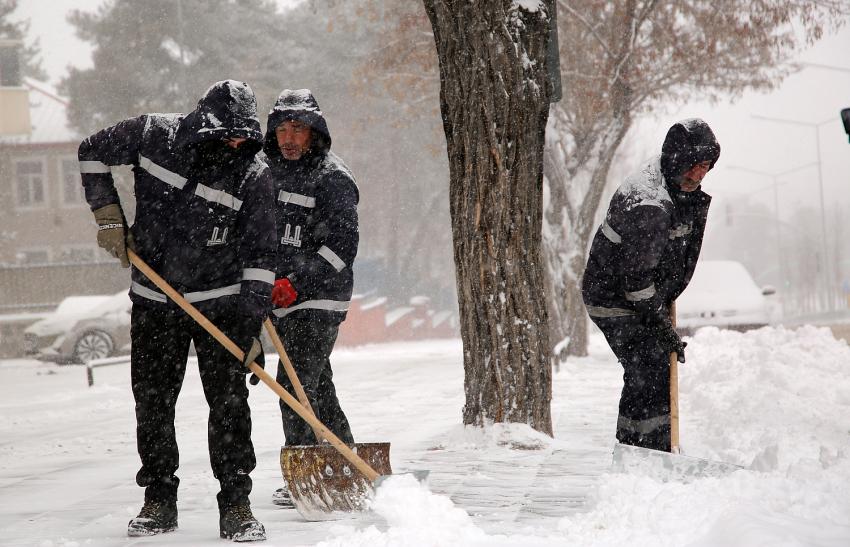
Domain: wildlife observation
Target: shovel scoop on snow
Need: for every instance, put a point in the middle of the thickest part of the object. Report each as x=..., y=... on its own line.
x=666, y=466
x=323, y=484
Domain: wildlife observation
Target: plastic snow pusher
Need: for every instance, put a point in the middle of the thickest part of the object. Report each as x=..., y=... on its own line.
x=666, y=466
x=324, y=480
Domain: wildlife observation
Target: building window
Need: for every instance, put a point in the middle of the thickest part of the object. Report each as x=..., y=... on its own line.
x=72, y=185
x=30, y=182
x=78, y=254
x=10, y=63
x=33, y=256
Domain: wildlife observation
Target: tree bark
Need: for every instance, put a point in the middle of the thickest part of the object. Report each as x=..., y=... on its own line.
x=494, y=105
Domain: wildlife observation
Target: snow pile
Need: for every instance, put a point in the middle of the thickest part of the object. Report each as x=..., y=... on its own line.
x=776, y=395
x=775, y=400
x=414, y=516
x=516, y=436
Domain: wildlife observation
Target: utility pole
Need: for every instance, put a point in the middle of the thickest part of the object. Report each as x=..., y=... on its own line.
x=829, y=284
x=775, y=185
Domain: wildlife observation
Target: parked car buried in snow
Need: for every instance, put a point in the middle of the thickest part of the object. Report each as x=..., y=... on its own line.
x=722, y=294
x=82, y=328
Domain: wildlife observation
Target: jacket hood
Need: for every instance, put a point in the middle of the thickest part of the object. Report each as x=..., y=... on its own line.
x=300, y=105
x=228, y=109
x=687, y=143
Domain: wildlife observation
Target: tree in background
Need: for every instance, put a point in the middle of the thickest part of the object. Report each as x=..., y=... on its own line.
x=619, y=61
x=160, y=56
x=494, y=100
x=30, y=63
x=415, y=242
x=623, y=59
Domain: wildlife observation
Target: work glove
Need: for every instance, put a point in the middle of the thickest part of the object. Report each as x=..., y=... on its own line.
x=112, y=232
x=670, y=341
x=283, y=293
x=247, y=336
x=253, y=351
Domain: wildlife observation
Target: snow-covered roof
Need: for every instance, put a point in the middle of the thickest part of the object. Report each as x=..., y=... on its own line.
x=48, y=116
x=395, y=314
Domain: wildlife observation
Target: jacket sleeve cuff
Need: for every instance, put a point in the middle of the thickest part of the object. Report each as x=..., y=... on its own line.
x=258, y=274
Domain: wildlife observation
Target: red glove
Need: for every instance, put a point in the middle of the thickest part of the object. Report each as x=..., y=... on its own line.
x=283, y=293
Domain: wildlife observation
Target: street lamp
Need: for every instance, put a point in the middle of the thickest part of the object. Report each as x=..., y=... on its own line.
x=828, y=284
x=825, y=67
x=774, y=177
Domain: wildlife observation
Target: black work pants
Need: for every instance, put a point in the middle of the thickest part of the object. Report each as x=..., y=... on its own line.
x=644, y=417
x=160, y=346
x=308, y=343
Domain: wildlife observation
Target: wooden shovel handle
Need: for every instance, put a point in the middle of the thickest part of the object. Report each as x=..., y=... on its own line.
x=290, y=401
x=674, y=391
x=290, y=371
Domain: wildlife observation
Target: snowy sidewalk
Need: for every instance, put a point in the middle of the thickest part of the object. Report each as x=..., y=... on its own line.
x=776, y=397
x=67, y=458
x=511, y=482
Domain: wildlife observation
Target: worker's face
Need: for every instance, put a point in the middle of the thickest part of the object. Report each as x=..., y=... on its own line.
x=293, y=139
x=692, y=178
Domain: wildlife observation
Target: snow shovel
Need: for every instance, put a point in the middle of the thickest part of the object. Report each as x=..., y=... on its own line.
x=305, y=466
x=667, y=466
x=323, y=499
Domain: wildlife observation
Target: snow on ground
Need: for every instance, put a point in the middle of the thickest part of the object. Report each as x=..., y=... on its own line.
x=776, y=401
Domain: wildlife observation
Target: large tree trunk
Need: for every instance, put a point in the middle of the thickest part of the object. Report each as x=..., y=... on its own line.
x=494, y=103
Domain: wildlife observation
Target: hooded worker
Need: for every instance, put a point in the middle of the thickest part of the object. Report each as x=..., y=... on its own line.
x=204, y=220
x=642, y=258
x=316, y=208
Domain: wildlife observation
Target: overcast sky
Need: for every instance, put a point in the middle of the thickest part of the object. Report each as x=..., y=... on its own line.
x=59, y=46
x=813, y=95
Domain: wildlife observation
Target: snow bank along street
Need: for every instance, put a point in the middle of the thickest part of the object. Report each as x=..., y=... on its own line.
x=774, y=400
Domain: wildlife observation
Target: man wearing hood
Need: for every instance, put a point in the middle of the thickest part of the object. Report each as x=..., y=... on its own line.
x=203, y=221
x=316, y=207
x=641, y=259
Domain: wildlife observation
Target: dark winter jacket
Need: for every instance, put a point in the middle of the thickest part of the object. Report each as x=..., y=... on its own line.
x=645, y=251
x=204, y=215
x=316, y=214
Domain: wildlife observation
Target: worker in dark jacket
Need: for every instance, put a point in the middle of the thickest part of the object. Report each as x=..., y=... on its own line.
x=642, y=258
x=204, y=221
x=317, y=220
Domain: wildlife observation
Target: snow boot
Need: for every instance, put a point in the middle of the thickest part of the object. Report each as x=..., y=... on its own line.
x=281, y=497
x=156, y=517
x=237, y=523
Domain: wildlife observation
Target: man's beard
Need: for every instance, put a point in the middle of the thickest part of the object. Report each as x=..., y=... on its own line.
x=301, y=153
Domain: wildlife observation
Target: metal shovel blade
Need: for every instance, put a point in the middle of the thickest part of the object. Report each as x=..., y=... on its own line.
x=665, y=466
x=324, y=485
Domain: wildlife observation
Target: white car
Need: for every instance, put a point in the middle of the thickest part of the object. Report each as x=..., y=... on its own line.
x=82, y=328
x=722, y=294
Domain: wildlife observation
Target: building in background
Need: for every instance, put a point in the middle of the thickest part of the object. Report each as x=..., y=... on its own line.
x=44, y=216
x=48, y=246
